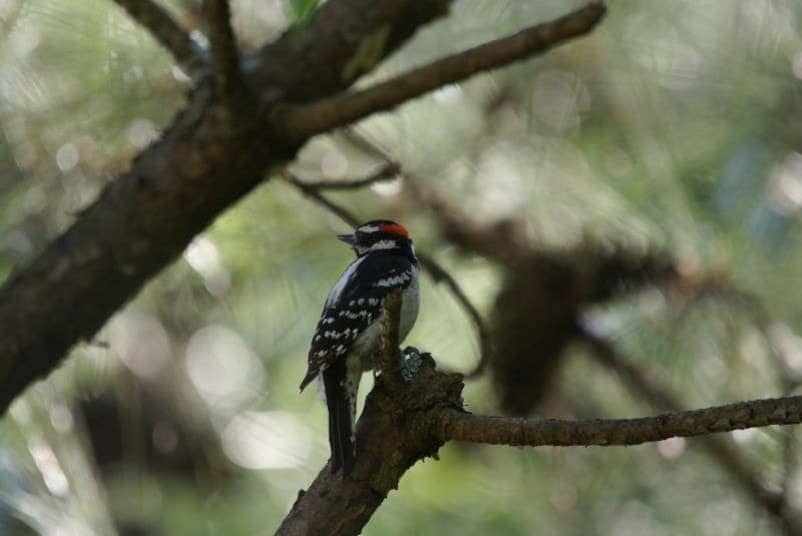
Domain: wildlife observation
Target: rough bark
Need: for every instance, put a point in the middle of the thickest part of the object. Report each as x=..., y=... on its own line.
x=401, y=425
x=406, y=421
x=396, y=425
x=461, y=426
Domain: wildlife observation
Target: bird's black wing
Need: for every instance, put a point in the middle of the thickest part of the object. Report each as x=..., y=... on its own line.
x=353, y=304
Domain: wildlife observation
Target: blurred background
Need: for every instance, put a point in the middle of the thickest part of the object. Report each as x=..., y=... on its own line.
x=624, y=212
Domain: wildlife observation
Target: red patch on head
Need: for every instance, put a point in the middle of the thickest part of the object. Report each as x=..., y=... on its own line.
x=394, y=228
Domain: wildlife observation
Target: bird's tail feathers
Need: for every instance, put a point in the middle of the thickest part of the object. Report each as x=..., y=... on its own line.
x=341, y=424
x=310, y=375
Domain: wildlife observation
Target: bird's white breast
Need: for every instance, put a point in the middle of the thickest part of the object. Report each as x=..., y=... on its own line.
x=410, y=303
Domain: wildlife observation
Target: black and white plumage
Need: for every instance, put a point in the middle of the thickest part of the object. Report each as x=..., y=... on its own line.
x=346, y=338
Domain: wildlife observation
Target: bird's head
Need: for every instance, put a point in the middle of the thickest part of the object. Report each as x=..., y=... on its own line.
x=379, y=235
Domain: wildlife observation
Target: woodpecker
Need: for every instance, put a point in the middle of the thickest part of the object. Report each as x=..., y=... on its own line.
x=346, y=340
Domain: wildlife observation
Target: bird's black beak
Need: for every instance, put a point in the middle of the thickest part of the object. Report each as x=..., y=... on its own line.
x=347, y=238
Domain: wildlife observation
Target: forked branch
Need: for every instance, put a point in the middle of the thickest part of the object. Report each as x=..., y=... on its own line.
x=225, y=54
x=339, y=110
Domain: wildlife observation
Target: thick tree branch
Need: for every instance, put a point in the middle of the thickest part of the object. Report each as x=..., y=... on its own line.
x=342, y=504
x=340, y=110
x=225, y=55
x=400, y=426
x=393, y=433
x=167, y=32
x=461, y=426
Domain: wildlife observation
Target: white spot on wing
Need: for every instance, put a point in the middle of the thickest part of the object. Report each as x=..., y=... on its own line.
x=394, y=281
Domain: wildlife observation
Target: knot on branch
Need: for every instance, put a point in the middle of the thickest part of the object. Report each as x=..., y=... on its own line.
x=397, y=427
x=401, y=424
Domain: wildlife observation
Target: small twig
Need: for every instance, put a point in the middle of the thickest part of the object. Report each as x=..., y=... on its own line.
x=460, y=426
x=441, y=276
x=389, y=355
x=225, y=55
x=167, y=32
x=336, y=111
x=314, y=194
x=384, y=173
x=720, y=450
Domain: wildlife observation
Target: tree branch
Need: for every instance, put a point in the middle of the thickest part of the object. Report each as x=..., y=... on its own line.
x=720, y=449
x=385, y=172
x=389, y=355
x=398, y=427
x=439, y=275
x=339, y=110
x=461, y=426
x=167, y=32
x=311, y=191
x=393, y=433
x=225, y=55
